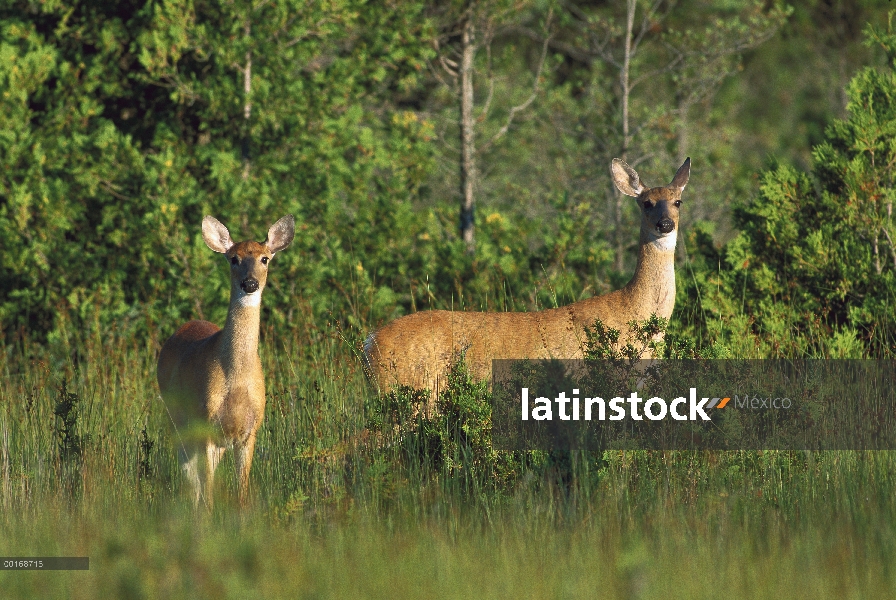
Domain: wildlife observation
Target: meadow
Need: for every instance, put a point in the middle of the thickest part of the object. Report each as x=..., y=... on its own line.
x=88, y=467
x=123, y=124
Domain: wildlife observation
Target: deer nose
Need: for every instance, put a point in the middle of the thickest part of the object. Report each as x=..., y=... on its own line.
x=249, y=285
x=665, y=225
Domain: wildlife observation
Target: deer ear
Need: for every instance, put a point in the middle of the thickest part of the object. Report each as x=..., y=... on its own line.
x=626, y=178
x=216, y=235
x=681, y=177
x=280, y=234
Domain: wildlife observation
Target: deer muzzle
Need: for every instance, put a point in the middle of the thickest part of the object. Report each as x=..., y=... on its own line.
x=249, y=285
x=665, y=225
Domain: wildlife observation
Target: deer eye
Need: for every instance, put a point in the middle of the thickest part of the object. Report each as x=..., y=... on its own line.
x=677, y=203
x=648, y=204
x=234, y=260
x=264, y=260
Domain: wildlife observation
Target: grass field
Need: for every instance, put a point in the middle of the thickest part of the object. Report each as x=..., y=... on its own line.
x=88, y=468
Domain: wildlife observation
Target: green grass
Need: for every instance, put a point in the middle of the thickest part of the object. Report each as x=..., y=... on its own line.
x=338, y=511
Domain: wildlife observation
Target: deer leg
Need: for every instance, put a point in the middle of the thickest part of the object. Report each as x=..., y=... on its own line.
x=190, y=464
x=213, y=456
x=244, y=454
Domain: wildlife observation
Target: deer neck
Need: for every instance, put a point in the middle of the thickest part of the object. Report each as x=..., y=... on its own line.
x=652, y=288
x=239, y=338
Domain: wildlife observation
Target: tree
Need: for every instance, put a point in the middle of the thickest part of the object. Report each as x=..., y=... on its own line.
x=124, y=124
x=466, y=29
x=649, y=65
x=815, y=262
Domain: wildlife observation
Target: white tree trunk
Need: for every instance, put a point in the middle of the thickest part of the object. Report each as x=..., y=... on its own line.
x=467, y=137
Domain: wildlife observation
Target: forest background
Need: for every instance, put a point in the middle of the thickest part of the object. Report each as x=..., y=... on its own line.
x=435, y=155
x=381, y=126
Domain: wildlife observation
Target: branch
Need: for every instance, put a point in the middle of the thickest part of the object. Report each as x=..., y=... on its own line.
x=670, y=66
x=601, y=50
x=569, y=50
x=110, y=188
x=435, y=73
x=446, y=64
x=449, y=65
x=491, y=79
x=645, y=22
x=513, y=111
x=308, y=34
x=600, y=46
x=441, y=135
x=642, y=158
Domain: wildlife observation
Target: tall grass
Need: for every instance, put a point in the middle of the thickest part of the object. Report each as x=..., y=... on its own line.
x=348, y=500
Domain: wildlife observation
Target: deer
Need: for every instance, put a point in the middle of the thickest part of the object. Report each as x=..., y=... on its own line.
x=211, y=379
x=417, y=350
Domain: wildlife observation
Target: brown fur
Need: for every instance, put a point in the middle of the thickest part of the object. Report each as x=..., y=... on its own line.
x=213, y=377
x=417, y=350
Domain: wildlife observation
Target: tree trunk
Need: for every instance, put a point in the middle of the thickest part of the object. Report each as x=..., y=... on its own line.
x=247, y=103
x=467, y=140
x=683, y=108
x=626, y=134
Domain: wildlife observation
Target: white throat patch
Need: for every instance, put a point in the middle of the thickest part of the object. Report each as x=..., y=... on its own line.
x=249, y=300
x=667, y=242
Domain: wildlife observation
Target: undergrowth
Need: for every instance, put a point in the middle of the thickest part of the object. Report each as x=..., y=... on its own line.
x=88, y=447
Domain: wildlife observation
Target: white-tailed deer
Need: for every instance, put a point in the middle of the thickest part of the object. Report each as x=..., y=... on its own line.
x=417, y=350
x=210, y=378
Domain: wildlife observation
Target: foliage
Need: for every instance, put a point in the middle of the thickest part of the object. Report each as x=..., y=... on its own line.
x=792, y=87
x=814, y=264
x=122, y=124
x=70, y=444
x=333, y=518
x=450, y=439
x=643, y=338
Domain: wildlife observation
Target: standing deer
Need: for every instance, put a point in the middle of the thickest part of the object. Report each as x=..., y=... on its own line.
x=417, y=350
x=210, y=378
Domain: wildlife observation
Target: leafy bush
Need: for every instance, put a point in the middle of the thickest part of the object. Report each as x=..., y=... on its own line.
x=452, y=442
x=813, y=268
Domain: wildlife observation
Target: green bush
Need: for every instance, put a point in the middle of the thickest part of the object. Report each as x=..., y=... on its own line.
x=812, y=270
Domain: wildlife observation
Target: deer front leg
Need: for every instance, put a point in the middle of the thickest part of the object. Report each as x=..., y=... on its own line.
x=244, y=454
x=190, y=467
x=213, y=454
x=200, y=471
